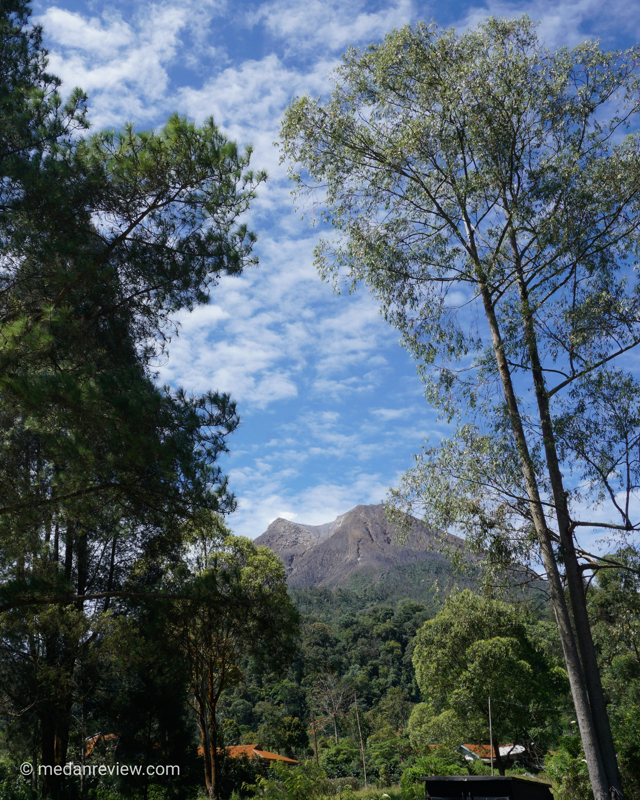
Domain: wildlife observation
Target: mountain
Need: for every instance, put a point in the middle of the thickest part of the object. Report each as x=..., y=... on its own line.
x=356, y=545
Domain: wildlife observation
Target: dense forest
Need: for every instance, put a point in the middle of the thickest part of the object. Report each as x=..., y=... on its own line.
x=417, y=684
x=366, y=686
x=140, y=639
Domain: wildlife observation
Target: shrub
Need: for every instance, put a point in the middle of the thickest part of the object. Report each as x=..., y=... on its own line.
x=302, y=782
x=569, y=774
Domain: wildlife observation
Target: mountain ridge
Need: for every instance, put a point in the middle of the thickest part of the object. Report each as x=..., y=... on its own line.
x=360, y=540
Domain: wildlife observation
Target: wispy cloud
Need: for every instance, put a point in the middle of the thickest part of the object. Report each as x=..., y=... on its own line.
x=247, y=101
x=262, y=501
x=123, y=62
x=565, y=23
x=274, y=330
x=388, y=414
x=331, y=24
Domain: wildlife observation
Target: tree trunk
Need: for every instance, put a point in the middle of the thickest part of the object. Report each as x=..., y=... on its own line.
x=572, y=567
x=82, y=565
x=48, y=752
x=593, y=755
x=499, y=761
x=60, y=656
x=213, y=744
x=206, y=745
x=55, y=721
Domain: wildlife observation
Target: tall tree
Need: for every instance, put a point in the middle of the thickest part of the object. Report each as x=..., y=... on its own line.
x=330, y=699
x=83, y=303
x=255, y=621
x=104, y=239
x=485, y=190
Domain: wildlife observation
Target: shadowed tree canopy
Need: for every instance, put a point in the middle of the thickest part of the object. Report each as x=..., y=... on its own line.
x=104, y=239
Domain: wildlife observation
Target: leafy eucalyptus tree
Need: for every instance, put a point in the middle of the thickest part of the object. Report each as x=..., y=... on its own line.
x=487, y=191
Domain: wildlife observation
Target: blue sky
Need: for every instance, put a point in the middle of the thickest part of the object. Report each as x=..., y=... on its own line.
x=332, y=407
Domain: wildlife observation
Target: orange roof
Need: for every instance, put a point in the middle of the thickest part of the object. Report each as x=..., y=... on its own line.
x=485, y=751
x=481, y=750
x=92, y=741
x=251, y=751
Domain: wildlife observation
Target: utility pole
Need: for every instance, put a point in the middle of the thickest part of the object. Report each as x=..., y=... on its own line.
x=490, y=737
x=364, y=766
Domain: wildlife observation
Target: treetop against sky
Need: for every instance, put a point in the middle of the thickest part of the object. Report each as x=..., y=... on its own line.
x=332, y=407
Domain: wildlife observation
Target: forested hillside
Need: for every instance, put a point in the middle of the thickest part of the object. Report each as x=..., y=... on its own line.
x=416, y=685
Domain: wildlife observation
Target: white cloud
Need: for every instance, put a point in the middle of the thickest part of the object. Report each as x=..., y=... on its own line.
x=323, y=502
x=565, y=23
x=278, y=329
x=247, y=101
x=100, y=38
x=387, y=414
x=123, y=64
x=330, y=24
x=341, y=389
x=290, y=515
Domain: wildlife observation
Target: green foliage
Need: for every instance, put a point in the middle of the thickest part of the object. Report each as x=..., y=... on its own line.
x=348, y=657
x=294, y=783
x=568, y=771
x=282, y=734
x=16, y=790
x=386, y=755
x=342, y=759
x=33, y=114
x=615, y=608
x=474, y=649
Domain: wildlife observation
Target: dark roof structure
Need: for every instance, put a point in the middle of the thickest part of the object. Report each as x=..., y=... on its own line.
x=485, y=788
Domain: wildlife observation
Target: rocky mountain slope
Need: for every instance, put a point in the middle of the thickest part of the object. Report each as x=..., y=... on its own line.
x=332, y=554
